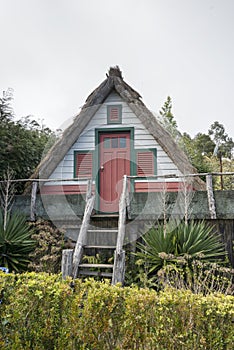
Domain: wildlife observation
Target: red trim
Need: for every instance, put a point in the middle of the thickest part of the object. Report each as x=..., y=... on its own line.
x=158, y=186
x=139, y=187
x=64, y=189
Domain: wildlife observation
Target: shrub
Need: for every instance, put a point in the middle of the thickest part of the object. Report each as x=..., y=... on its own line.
x=197, y=276
x=47, y=254
x=41, y=311
x=15, y=242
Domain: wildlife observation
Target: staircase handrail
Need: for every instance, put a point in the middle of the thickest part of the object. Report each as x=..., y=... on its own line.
x=122, y=216
x=119, y=259
x=81, y=239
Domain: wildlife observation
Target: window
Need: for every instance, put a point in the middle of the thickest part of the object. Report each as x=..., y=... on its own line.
x=146, y=162
x=83, y=164
x=114, y=114
x=115, y=142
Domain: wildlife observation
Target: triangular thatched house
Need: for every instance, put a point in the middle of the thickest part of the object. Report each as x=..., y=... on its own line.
x=114, y=134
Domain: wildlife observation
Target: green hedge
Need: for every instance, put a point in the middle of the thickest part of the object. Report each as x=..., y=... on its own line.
x=40, y=311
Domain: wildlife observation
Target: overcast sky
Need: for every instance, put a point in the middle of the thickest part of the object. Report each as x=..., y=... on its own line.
x=55, y=52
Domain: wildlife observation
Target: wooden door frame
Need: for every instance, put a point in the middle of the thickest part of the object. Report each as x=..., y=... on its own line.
x=98, y=132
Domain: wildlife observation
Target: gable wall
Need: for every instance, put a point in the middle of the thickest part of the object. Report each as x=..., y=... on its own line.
x=86, y=141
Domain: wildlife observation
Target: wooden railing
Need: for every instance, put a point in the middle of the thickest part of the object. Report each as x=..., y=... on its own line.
x=209, y=185
x=119, y=257
x=81, y=240
x=71, y=259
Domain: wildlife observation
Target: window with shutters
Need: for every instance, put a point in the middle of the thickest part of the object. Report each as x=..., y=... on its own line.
x=146, y=162
x=114, y=114
x=83, y=164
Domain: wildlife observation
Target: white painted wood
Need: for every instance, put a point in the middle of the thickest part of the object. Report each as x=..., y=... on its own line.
x=86, y=141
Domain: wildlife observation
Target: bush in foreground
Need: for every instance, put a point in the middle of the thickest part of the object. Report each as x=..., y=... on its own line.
x=40, y=311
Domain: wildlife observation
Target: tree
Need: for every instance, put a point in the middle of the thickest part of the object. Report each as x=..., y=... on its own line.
x=223, y=146
x=6, y=110
x=198, y=149
x=203, y=145
x=22, y=142
x=224, y=143
x=167, y=119
x=209, y=152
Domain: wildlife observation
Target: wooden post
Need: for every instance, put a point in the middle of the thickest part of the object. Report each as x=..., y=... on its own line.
x=89, y=189
x=221, y=171
x=119, y=268
x=210, y=195
x=67, y=256
x=82, y=236
x=128, y=201
x=119, y=259
x=122, y=217
x=33, y=201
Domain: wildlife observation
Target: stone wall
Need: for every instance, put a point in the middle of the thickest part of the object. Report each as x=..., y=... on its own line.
x=66, y=212
x=144, y=205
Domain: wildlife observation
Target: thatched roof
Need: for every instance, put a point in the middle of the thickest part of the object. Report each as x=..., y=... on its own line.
x=114, y=81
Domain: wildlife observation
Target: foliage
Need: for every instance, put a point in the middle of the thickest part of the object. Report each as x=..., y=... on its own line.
x=227, y=166
x=166, y=112
x=22, y=142
x=209, y=152
x=47, y=255
x=6, y=110
x=224, y=143
x=7, y=193
x=137, y=273
x=40, y=311
x=203, y=150
x=15, y=242
x=203, y=145
x=166, y=118
x=212, y=152
x=197, y=276
x=193, y=240
x=197, y=150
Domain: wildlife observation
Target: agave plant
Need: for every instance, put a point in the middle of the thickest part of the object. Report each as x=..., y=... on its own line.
x=199, y=241
x=155, y=242
x=15, y=242
x=166, y=244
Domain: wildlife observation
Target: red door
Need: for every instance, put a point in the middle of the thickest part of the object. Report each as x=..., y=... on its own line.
x=114, y=163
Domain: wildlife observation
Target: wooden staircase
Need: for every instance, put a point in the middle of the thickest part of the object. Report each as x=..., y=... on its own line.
x=73, y=262
x=98, y=269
